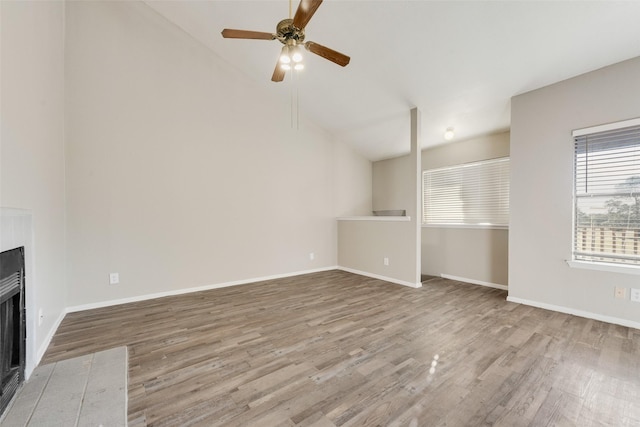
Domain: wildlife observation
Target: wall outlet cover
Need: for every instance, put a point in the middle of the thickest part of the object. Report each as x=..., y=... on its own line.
x=620, y=293
x=635, y=295
x=114, y=278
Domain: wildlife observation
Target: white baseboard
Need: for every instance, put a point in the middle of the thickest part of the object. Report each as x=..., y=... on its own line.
x=575, y=312
x=145, y=297
x=474, y=282
x=43, y=347
x=377, y=276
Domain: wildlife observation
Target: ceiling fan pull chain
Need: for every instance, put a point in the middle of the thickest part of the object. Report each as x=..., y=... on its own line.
x=295, y=73
x=294, y=94
x=291, y=99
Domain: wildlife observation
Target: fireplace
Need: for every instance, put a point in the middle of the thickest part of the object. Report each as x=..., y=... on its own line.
x=12, y=324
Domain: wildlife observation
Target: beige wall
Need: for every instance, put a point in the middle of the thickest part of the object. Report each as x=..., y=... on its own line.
x=541, y=190
x=480, y=255
x=32, y=150
x=470, y=150
x=352, y=181
x=363, y=246
x=182, y=173
x=390, y=189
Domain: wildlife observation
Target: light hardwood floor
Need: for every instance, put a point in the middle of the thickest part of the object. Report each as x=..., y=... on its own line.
x=337, y=349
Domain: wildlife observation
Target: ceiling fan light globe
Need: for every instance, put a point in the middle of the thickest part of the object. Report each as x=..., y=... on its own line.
x=298, y=67
x=285, y=67
x=297, y=57
x=285, y=59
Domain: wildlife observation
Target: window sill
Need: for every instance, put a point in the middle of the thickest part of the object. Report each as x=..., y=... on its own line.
x=602, y=266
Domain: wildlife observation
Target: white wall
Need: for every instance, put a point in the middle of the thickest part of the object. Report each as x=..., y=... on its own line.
x=32, y=152
x=479, y=255
x=180, y=172
x=541, y=191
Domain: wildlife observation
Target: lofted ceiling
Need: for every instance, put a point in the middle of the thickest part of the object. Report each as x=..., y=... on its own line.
x=459, y=62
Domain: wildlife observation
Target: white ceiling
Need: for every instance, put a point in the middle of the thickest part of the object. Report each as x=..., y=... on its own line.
x=459, y=62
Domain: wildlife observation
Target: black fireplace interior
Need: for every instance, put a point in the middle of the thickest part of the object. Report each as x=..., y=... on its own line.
x=12, y=324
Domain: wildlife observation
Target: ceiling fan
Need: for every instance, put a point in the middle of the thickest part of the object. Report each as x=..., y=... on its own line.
x=290, y=32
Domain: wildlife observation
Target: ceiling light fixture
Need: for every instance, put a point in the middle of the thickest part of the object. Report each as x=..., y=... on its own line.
x=448, y=134
x=291, y=53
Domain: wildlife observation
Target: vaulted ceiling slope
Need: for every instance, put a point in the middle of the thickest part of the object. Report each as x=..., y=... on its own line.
x=459, y=62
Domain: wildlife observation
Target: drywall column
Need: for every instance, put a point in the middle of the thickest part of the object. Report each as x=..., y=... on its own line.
x=416, y=173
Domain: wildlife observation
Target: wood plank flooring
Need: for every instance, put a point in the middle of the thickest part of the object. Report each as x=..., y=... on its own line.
x=337, y=349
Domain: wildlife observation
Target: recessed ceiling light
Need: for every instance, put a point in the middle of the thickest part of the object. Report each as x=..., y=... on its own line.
x=448, y=134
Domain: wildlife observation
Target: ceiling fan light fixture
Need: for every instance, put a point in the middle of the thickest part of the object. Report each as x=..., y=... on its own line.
x=291, y=33
x=449, y=134
x=285, y=58
x=297, y=56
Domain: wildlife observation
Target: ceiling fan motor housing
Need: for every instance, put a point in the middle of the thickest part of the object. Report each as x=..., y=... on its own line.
x=287, y=33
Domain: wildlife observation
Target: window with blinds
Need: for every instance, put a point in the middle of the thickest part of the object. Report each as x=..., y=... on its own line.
x=607, y=194
x=472, y=194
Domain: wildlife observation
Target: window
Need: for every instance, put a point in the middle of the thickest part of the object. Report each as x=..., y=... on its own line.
x=607, y=194
x=472, y=194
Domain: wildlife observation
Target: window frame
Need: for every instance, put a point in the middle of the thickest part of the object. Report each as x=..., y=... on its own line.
x=575, y=262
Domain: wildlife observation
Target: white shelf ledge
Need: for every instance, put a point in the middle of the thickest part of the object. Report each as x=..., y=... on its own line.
x=375, y=218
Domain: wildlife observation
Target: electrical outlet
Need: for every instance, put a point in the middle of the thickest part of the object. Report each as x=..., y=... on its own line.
x=40, y=317
x=312, y=256
x=386, y=261
x=114, y=278
x=635, y=295
x=620, y=293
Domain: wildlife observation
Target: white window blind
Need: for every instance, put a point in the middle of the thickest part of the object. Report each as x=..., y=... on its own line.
x=469, y=194
x=607, y=196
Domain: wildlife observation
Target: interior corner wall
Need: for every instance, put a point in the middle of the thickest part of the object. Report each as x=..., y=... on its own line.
x=32, y=153
x=182, y=173
x=479, y=255
x=352, y=182
x=542, y=187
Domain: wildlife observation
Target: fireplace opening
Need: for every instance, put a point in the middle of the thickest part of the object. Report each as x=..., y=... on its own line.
x=12, y=324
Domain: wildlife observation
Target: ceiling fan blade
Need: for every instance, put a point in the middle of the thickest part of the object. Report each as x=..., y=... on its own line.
x=244, y=34
x=278, y=73
x=330, y=54
x=305, y=11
